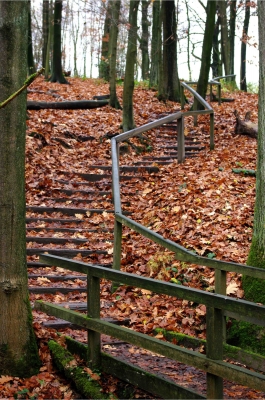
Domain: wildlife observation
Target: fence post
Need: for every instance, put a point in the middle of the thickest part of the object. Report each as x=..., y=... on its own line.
x=219, y=94
x=117, y=245
x=195, y=108
x=93, y=311
x=212, y=131
x=182, y=98
x=211, y=92
x=214, y=350
x=220, y=288
x=181, y=140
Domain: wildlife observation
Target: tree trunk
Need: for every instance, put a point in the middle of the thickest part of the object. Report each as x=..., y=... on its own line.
x=18, y=350
x=45, y=30
x=31, y=64
x=115, y=13
x=50, y=41
x=255, y=288
x=243, y=80
x=225, y=44
x=171, y=85
x=66, y=105
x=104, y=62
x=206, y=50
x=217, y=63
x=245, y=127
x=57, y=70
x=232, y=33
x=127, y=115
x=156, y=52
x=144, y=40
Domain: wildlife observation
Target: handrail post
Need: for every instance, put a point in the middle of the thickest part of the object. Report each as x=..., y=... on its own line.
x=181, y=139
x=117, y=245
x=211, y=91
x=214, y=350
x=212, y=131
x=93, y=311
x=195, y=107
x=182, y=98
x=219, y=94
x=220, y=288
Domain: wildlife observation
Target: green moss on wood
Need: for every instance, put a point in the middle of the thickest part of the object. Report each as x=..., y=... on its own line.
x=64, y=361
x=27, y=365
x=254, y=288
x=247, y=336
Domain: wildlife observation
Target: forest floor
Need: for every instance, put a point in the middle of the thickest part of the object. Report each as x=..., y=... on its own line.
x=201, y=204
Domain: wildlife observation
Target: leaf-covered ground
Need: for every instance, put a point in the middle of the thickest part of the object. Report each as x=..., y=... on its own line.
x=201, y=204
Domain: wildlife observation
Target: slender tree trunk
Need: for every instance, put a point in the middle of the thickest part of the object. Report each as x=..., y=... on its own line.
x=243, y=80
x=232, y=34
x=104, y=62
x=57, y=70
x=225, y=43
x=144, y=40
x=31, y=64
x=45, y=29
x=156, y=52
x=49, y=43
x=206, y=49
x=171, y=85
x=18, y=350
x=216, y=64
x=188, y=39
x=254, y=288
x=116, y=5
x=127, y=115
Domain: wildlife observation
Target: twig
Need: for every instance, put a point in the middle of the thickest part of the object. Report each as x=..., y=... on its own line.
x=28, y=81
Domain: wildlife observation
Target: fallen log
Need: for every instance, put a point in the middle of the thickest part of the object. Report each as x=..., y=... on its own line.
x=250, y=172
x=67, y=105
x=245, y=127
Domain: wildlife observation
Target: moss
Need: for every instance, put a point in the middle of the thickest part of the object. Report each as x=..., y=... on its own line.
x=84, y=383
x=29, y=363
x=248, y=336
x=76, y=347
x=181, y=339
x=254, y=288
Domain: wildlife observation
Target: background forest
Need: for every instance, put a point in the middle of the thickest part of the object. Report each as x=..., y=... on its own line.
x=84, y=21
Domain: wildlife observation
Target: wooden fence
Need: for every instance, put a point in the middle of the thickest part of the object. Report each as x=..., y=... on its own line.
x=218, y=304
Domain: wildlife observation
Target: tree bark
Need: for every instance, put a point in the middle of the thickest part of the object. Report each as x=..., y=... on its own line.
x=127, y=115
x=156, y=52
x=206, y=49
x=114, y=30
x=18, y=350
x=31, y=64
x=67, y=105
x=171, y=84
x=57, y=70
x=232, y=33
x=104, y=62
x=225, y=44
x=144, y=40
x=255, y=288
x=217, y=63
x=245, y=127
x=243, y=68
x=45, y=30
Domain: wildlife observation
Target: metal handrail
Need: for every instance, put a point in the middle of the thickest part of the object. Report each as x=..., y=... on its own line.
x=208, y=109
